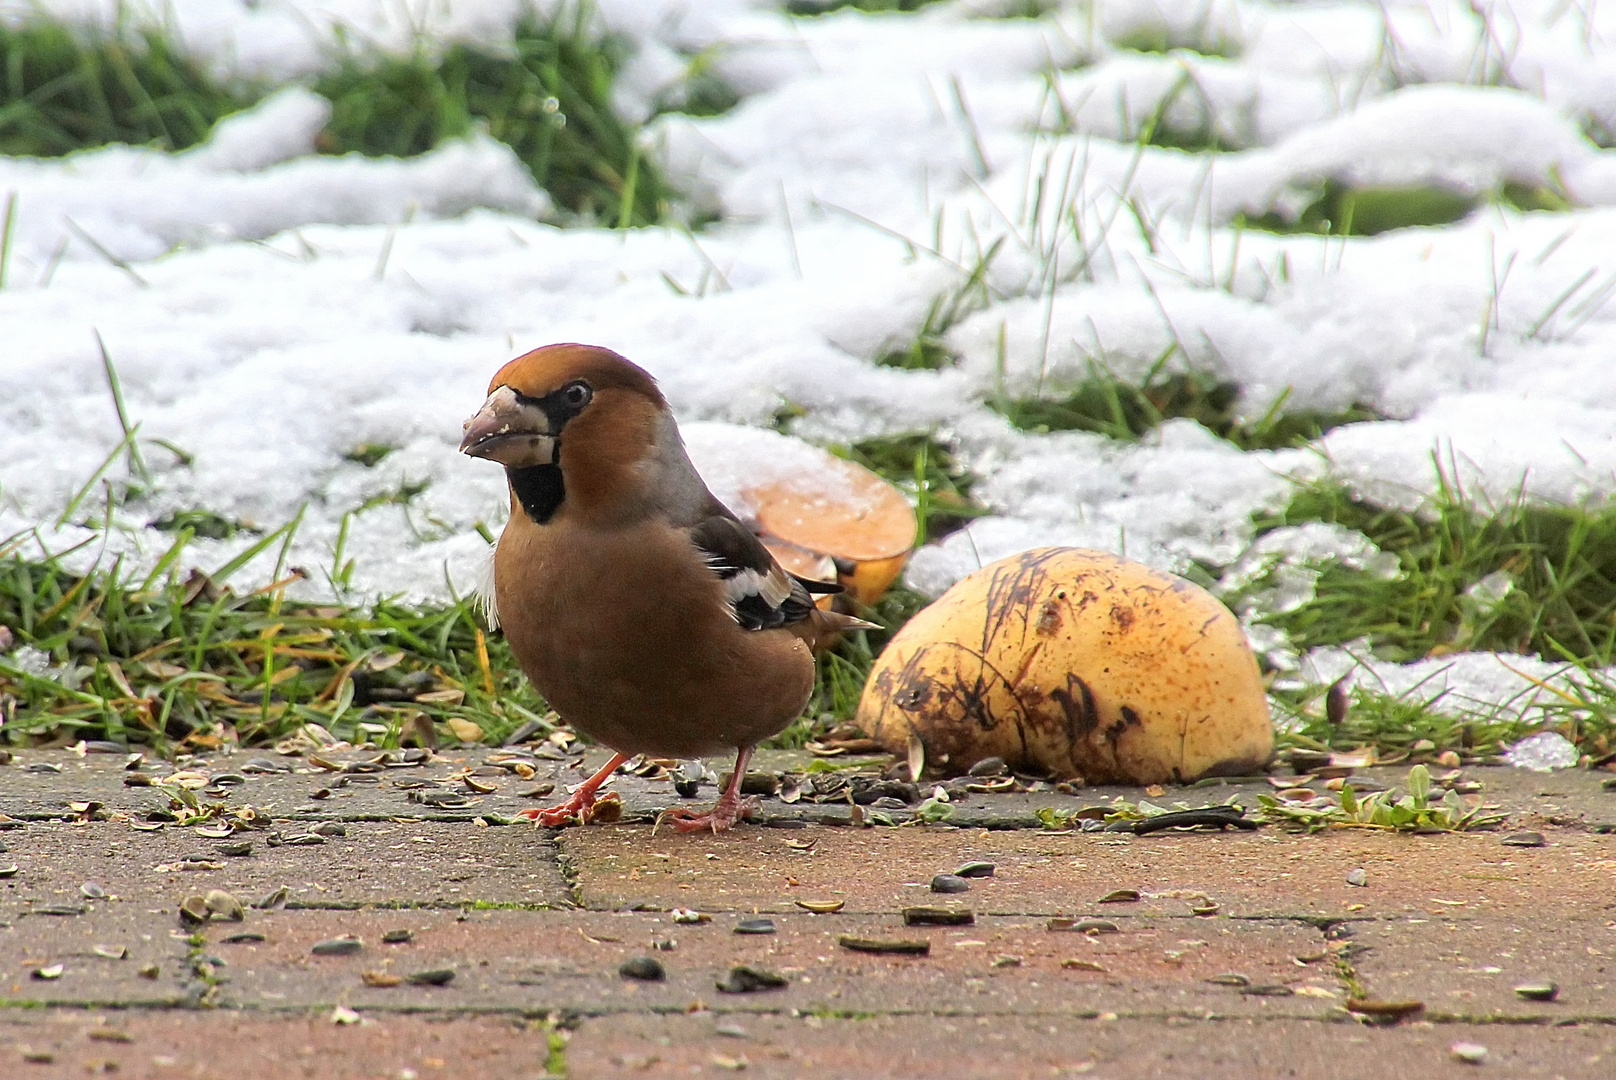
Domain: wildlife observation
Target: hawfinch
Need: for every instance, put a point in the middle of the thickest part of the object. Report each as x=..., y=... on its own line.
x=645, y=612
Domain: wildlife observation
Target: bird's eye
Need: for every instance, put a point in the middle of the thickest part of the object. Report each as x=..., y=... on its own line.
x=577, y=394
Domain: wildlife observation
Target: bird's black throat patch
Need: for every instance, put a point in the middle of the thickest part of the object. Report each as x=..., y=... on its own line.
x=539, y=489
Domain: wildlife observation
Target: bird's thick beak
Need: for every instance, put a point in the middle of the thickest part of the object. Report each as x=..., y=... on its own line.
x=509, y=431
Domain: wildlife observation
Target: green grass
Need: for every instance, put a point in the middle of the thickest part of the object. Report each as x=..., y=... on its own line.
x=61, y=91
x=1123, y=409
x=1340, y=210
x=548, y=98
x=178, y=662
x=1559, y=563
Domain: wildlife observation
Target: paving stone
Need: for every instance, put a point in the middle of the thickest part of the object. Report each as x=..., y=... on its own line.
x=416, y=862
x=1263, y=874
x=165, y=1045
x=1469, y=968
x=568, y=961
x=993, y=1047
x=31, y=942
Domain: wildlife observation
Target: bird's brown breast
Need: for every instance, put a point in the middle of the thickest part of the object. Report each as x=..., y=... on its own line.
x=625, y=633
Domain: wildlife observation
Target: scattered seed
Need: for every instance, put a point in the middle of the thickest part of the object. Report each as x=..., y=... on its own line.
x=644, y=968
x=239, y=848
x=303, y=840
x=214, y=832
x=1468, y=1052
x=949, y=883
x=62, y=910
x=1085, y=926
x=271, y=901
x=54, y=971
x=1538, y=991
x=224, y=906
x=329, y=828
x=755, y=926
x=745, y=979
x=266, y=765
x=686, y=915
x=41, y=767
x=479, y=786
x=1120, y=896
x=247, y=937
x=988, y=766
x=228, y=779
x=9, y=871
x=150, y=971
x=342, y=946
x=822, y=907
x=1075, y=964
x=37, y=1057
x=433, y=977
x=397, y=937
x=381, y=979
x=1358, y=877
x=111, y=952
x=905, y=946
x=106, y=1034
x=1204, y=907
x=938, y=916
x=1230, y=979
x=1268, y=990
x=537, y=791
x=137, y=780
x=1004, y=960
x=344, y=1015
x=1390, y=1010
x=973, y=869
x=194, y=911
x=664, y=944
x=92, y=891
x=731, y=1031
x=1524, y=839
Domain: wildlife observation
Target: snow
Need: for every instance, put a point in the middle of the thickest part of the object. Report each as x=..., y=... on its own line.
x=269, y=310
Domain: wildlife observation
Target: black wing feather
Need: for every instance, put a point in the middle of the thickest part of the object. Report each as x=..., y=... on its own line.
x=760, y=594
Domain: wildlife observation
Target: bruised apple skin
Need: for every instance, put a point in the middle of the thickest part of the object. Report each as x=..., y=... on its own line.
x=1074, y=664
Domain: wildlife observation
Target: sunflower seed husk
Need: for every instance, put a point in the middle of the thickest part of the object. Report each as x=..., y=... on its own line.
x=1391, y=1010
x=645, y=968
x=755, y=926
x=433, y=977
x=1120, y=896
x=1538, y=991
x=112, y=1035
x=90, y=890
x=822, y=907
x=9, y=871
x=1268, y=990
x=397, y=937
x=239, y=848
x=1230, y=979
x=938, y=916
x=1084, y=926
x=223, y=905
x=382, y=979
x=111, y=952
x=745, y=979
x=54, y=971
x=272, y=900
x=1358, y=877
x=194, y=911
x=342, y=946
x=1468, y=1052
x=1075, y=964
x=246, y=937
x=949, y=883
x=975, y=869
x=214, y=832
x=686, y=915
x=905, y=946
x=1524, y=839
x=329, y=828
x=150, y=971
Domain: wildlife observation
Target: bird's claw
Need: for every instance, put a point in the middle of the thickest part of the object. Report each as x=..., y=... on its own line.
x=578, y=810
x=721, y=817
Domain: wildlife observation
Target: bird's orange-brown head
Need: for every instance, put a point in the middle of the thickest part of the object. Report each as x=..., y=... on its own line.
x=569, y=421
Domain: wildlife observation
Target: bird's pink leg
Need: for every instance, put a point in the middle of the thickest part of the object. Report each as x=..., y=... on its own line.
x=729, y=809
x=582, y=802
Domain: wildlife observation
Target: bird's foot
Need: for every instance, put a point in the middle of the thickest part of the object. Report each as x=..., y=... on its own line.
x=581, y=809
x=724, y=814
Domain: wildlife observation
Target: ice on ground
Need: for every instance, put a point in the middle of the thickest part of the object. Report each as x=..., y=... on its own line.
x=299, y=337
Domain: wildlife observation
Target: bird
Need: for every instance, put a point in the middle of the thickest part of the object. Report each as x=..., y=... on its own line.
x=647, y=614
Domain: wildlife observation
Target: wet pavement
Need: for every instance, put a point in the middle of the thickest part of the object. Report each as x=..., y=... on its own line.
x=411, y=927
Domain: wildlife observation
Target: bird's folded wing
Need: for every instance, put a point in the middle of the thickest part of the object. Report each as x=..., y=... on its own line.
x=759, y=593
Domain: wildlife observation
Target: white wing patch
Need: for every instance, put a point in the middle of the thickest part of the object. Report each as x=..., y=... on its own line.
x=486, y=599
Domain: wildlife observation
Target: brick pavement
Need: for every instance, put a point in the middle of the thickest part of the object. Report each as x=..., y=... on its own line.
x=1237, y=960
